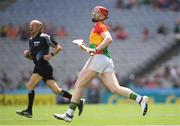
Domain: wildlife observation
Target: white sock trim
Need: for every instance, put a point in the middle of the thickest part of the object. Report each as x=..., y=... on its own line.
x=138, y=98
x=70, y=112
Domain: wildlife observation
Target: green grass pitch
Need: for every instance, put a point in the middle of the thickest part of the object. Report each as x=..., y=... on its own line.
x=95, y=115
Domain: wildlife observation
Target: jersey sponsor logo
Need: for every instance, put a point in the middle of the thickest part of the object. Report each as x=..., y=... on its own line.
x=36, y=43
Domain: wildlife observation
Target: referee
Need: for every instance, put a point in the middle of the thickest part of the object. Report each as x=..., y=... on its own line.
x=39, y=44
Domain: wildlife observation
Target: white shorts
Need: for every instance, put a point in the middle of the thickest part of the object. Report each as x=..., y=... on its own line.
x=99, y=63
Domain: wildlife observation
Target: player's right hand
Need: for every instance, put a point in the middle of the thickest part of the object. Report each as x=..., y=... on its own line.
x=27, y=54
x=90, y=51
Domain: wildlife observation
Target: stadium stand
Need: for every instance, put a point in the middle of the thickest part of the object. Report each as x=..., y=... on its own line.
x=127, y=54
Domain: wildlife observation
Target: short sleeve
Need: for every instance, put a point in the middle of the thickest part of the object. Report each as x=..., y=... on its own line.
x=101, y=28
x=50, y=40
x=53, y=42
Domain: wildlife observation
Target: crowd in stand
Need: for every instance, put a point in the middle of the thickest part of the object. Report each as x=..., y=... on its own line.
x=168, y=76
x=7, y=83
x=173, y=5
x=22, y=32
x=163, y=77
x=162, y=29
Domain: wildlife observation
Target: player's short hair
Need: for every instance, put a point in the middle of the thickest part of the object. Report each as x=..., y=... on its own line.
x=37, y=22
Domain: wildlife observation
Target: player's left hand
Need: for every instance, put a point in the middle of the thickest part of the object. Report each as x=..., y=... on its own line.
x=91, y=51
x=47, y=57
x=27, y=54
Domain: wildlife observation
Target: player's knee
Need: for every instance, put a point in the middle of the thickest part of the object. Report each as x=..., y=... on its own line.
x=29, y=87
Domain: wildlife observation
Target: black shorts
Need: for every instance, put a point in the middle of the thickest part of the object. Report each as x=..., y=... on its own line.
x=45, y=70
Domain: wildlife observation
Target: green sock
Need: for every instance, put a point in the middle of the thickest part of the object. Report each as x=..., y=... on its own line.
x=73, y=105
x=135, y=96
x=72, y=108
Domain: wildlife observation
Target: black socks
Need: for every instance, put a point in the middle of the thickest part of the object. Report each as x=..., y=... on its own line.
x=66, y=94
x=31, y=95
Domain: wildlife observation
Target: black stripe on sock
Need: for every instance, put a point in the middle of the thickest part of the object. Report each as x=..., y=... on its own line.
x=66, y=94
x=141, y=100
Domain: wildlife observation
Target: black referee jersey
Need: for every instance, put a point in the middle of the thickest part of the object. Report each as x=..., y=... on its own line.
x=39, y=46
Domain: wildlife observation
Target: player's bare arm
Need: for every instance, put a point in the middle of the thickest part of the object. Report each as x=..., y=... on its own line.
x=106, y=42
x=27, y=54
x=56, y=49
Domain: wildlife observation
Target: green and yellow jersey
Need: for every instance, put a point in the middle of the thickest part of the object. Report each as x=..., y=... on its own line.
x=96, y=39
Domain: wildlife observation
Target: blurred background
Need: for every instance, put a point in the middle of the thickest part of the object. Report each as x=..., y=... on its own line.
x=145, y=48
